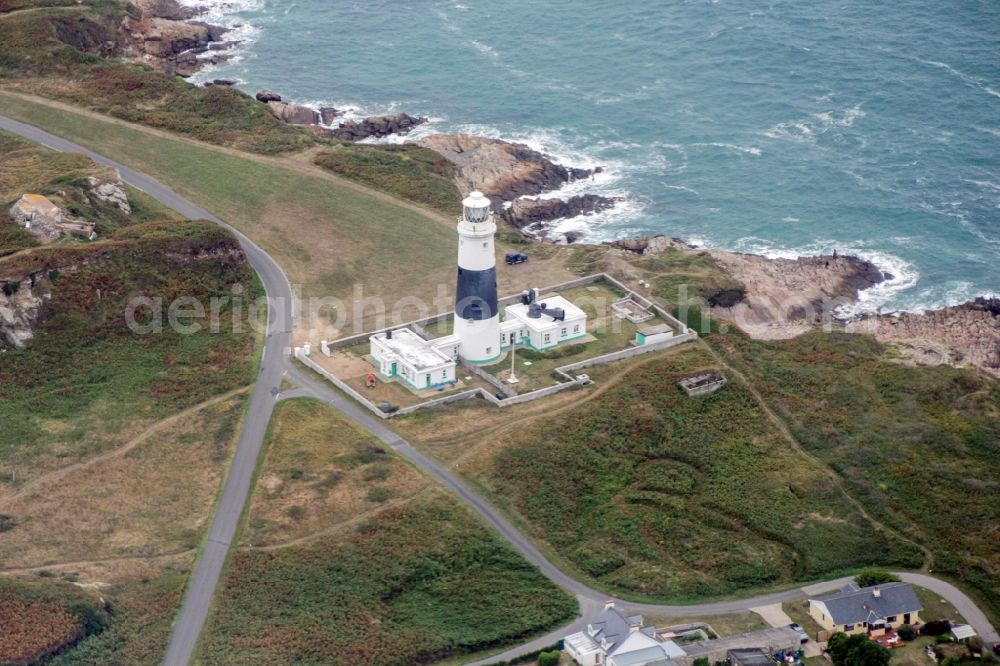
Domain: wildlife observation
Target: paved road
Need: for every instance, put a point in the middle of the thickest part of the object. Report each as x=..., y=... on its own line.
x=275, y=364
x=198, y=597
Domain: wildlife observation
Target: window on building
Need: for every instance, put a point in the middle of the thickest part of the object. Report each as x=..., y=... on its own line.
x=427, y=380
x=489, y=350
x=547, y=338
x=848, y=627
x=576, y=329
x=444, y=374
x=891, y=618
x=563, y=333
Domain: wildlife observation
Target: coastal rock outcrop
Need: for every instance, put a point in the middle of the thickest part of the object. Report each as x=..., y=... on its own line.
x=787, y=297
x=958, y=335
x=293, y=114
x=167, y=45
x=376, y=126
x=525, y=212
x=501, y=170
x=648, y=245
x=328, y=114
x=266, y=96
x=165, y=37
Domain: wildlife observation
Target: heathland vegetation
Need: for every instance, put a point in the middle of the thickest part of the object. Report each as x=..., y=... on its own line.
x=350, y=557
x=114, y=444
x=650, y=493
x=919, y=447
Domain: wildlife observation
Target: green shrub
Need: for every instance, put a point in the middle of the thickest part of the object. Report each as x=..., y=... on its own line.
x=549, y=658
x=936, y=628
x=873, y=576
x=907, y=632
x=857, y=650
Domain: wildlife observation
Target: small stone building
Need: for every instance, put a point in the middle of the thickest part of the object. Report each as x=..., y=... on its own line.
x=44, y=219
x=38, y=215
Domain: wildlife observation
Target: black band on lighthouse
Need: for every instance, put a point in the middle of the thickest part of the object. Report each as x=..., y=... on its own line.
x=476, y=294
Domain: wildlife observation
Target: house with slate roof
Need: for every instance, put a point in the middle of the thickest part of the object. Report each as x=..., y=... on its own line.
x=872, y=610
x=616, y=639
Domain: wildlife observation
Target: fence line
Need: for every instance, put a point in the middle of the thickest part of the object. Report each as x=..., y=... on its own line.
x=512, y=397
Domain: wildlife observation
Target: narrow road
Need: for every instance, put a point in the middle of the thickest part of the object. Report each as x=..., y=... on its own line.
x=276, y=363
x=201, y=588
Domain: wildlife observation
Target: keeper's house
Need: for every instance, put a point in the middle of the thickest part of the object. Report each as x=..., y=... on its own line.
x=542, y=322
x=423, y=364
x=872, y=610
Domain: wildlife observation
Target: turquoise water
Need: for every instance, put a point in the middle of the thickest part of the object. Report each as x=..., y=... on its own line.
x=780, y=128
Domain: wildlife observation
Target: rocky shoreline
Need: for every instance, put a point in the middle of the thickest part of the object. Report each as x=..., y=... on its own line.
x=782, y=297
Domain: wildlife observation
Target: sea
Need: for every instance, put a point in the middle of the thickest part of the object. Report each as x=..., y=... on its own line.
x=778, y=128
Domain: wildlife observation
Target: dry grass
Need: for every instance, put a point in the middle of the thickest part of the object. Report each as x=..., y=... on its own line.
x=728, y=624
x=154, y=499
x=320, y=471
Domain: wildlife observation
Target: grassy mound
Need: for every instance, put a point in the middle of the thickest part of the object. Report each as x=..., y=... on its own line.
x=920, y=447
x=653, y=493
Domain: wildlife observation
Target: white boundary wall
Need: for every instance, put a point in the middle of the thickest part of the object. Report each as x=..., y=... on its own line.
x=565, y=371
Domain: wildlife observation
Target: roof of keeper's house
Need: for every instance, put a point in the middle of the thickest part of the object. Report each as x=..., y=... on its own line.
x=853, y=606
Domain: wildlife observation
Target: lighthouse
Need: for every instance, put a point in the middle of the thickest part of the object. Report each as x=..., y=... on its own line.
x=477, y=316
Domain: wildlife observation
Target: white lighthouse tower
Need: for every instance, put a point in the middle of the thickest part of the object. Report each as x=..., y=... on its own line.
x=477, y=315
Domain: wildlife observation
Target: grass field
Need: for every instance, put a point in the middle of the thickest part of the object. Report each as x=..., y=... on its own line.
x=379, y=570
x=154, y=498
x=918, y=446
x=321, y=471
x=650, y=493
x=726, y=624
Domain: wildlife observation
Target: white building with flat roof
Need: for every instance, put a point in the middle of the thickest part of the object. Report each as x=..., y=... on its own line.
x=542, y=322
x=423, y=364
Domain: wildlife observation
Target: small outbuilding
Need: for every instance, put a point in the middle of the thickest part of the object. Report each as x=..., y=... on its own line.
x=653, y=334
x=404, y=354
x=38, y=215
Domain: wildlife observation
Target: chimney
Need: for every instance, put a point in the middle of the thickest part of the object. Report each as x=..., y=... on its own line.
x=388, y=334
x=632, y=628
x=877, y=593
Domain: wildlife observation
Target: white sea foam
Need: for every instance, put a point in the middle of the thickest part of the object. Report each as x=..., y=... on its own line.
x=597, y=227
x=485, y=49
x=807, y=129
x=969, y=80
x=789, y=218
x=747, y=150
x=682, y=188
x=987, y=130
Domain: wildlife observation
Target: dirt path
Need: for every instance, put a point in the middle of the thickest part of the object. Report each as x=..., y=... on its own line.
x=121, y=450
x=300, y=162
x=88, y=563
x=344, y=524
